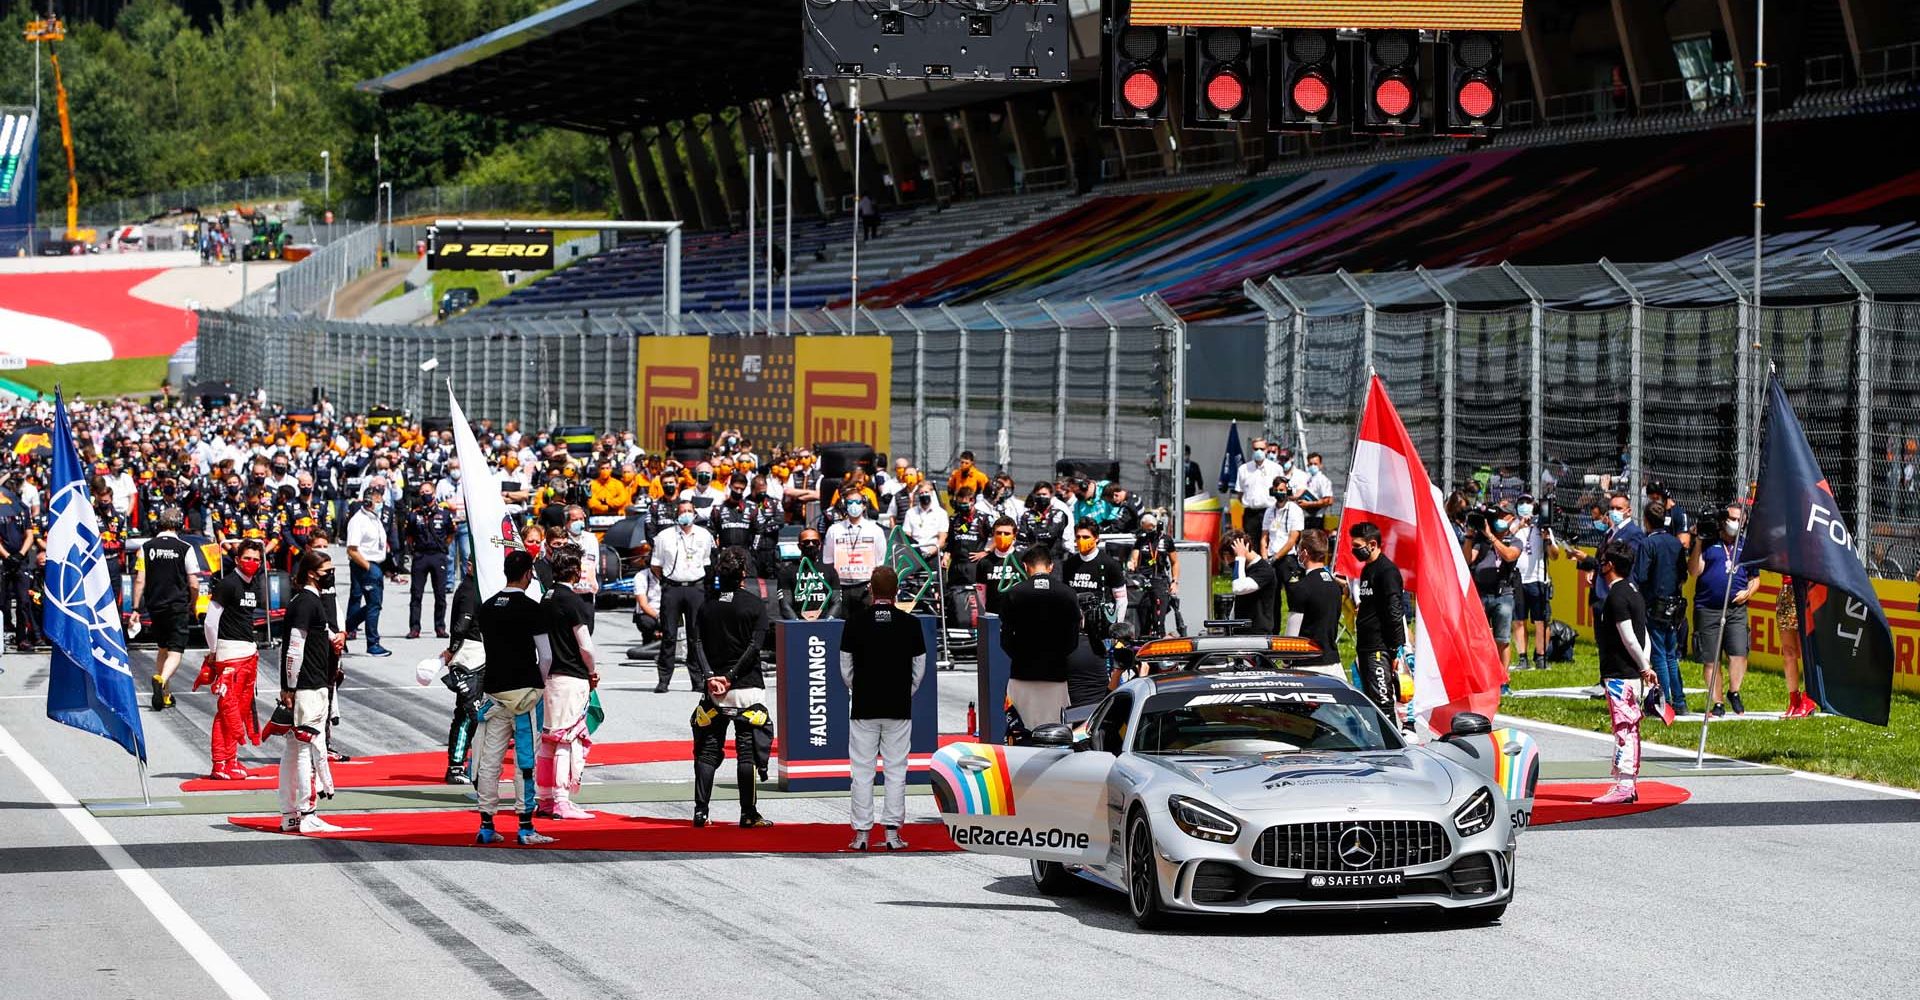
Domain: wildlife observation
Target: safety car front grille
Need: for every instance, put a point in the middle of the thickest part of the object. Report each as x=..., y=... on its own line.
x=1317, y=846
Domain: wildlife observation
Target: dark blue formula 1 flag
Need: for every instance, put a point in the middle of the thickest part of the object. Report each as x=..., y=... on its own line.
x=1798, y=529
x=1230, y=460
x=90, y=680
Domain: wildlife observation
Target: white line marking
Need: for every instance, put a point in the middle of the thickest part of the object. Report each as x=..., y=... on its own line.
x=1854, y=783
x=226, y=973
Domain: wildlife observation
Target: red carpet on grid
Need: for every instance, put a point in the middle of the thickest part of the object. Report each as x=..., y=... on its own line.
x=606, y=831
x=428, y=767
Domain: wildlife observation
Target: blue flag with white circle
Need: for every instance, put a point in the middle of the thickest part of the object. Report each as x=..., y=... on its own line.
x=90, y=680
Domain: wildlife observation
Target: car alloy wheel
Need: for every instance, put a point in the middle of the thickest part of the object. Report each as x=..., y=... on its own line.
x=1143, y=880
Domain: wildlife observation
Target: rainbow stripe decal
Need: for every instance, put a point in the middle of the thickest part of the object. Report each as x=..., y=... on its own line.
x=973, y=790
x=1511, y=772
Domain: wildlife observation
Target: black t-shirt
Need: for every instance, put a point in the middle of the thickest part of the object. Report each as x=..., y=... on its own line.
x=1086, y=674
x=1316, y=599
x=1256, y=607
x=883, y=640
x=1623, y=604
x=317, y=659
x=1096, y=575
x=1000, y=573
x=729, y=625
x=168, y=563
x=508, y=622
x=1378, y=622
x=565, y=610
x=238, y=599
x=1039, y=626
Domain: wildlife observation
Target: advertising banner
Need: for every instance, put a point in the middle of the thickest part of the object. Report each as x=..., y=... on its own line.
x=673, y=385
x=1436, y=15
x=775, y=390
x=1900, y=598
x=810, y=721
x=491, y=251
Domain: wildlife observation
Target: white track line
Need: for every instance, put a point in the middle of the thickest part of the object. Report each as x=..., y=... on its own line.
x=226, y=973
x=1865, y=786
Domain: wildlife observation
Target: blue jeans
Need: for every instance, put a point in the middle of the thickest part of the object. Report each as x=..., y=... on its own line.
x=366, y=591
x=461, y=546
x=1666, y=663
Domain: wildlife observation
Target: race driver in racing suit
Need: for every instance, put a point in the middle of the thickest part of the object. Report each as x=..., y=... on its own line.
x=730, y=632
x=232, y=665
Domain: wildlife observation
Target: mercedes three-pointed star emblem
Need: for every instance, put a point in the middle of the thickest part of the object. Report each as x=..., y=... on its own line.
x=1357, y=847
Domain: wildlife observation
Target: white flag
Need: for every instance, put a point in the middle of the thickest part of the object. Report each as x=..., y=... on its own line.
x=487, y=522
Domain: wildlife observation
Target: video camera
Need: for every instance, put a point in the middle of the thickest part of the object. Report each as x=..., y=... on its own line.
x=1479, y=516
x=1708, y=520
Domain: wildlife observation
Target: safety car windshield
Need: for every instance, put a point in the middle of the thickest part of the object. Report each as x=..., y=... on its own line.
x=1261, y=721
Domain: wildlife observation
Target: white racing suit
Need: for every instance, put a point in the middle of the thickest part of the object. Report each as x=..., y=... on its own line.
x=306, y=776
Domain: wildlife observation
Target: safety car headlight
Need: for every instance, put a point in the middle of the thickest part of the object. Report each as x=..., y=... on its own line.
x=1201, y=821
x=1475, y=815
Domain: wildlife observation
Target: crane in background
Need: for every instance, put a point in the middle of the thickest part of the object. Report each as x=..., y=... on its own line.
x=52, y=29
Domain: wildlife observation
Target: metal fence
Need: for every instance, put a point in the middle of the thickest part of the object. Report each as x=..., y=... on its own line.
x=245, y=191
x=1575, y=378
x=309, y=285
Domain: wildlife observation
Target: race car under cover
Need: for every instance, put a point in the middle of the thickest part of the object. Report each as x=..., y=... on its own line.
x=1248, y=791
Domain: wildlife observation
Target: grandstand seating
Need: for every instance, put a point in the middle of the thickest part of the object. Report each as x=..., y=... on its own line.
x=1626, y=191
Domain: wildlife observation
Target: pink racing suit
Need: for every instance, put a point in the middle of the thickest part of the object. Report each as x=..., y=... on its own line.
x=1623, y=706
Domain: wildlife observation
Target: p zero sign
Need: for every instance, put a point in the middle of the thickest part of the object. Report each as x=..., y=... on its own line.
x=471, y=250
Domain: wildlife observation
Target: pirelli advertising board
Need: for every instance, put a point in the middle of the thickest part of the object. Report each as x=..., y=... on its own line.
x=473, y=250
x=776, y=390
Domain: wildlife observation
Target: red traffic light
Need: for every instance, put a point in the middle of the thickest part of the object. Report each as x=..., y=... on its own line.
x=1141, y=90
x=1311, y=93
x=1226, y=92
x=1393, y=96
x=1475, y=98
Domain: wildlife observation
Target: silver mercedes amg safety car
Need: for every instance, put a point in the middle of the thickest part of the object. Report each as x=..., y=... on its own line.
x=1236, y=785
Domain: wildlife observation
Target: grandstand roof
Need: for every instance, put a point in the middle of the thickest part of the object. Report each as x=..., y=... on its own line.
x=611, y=65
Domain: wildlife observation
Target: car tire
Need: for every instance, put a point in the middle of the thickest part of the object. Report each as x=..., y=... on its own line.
x=1143, y=877
x=1051, y=878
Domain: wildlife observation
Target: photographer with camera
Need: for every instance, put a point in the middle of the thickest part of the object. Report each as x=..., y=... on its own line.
x=1281, y=530
x=1660, y=574
x=1153, y=560
x=1533, y=598
x=1722, y=587
x=1494, y=562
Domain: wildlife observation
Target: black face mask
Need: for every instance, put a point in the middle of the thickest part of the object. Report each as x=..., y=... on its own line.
x=1361, y=552
x=810, y=549
x=926, y=499
x=324, y=580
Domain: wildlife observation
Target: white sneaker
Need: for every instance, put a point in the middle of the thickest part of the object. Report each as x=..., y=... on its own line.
x=893, y=841
x=312, y=823
x=859, y=841
x=289, y=824
x=533, y=838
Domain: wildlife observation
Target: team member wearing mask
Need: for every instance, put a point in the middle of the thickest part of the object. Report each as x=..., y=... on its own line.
x=562, y=755
x=883, y=658
x=1379, y=623
x=233, y=661
x=1000, y=569
x=309, y=671
x=680, y=557
x=809, y=589
x=1042, y=523
x=1095, y=579
x=854, y=547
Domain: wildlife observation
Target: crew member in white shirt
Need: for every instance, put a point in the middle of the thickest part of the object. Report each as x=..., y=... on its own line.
x=681, y=556
x=1254, y=483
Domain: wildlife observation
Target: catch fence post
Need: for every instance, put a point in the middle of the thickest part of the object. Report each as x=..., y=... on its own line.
x=1863, y=401
x=1636, y=375
x=1749, y=335
x=1536, y=374
x=960, y=391
x=1006, y=369
x=1272, y=411
x=1368, y=314
x=1178, y=411
x=919, y=383
x=1449, y=360
x=1297, y=378
x=1059, y=381
x=1112, y=437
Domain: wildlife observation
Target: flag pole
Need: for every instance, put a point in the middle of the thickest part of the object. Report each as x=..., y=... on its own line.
x=145, y=799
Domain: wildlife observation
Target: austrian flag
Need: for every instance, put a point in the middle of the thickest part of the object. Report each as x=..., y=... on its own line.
x=1456, y=667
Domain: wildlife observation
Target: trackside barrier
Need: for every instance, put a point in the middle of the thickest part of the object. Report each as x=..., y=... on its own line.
x=810, y=719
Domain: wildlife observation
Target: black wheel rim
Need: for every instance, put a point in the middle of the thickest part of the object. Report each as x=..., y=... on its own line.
x=1140, y=867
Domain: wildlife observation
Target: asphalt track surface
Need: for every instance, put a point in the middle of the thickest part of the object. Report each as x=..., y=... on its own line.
x=1759, y=883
